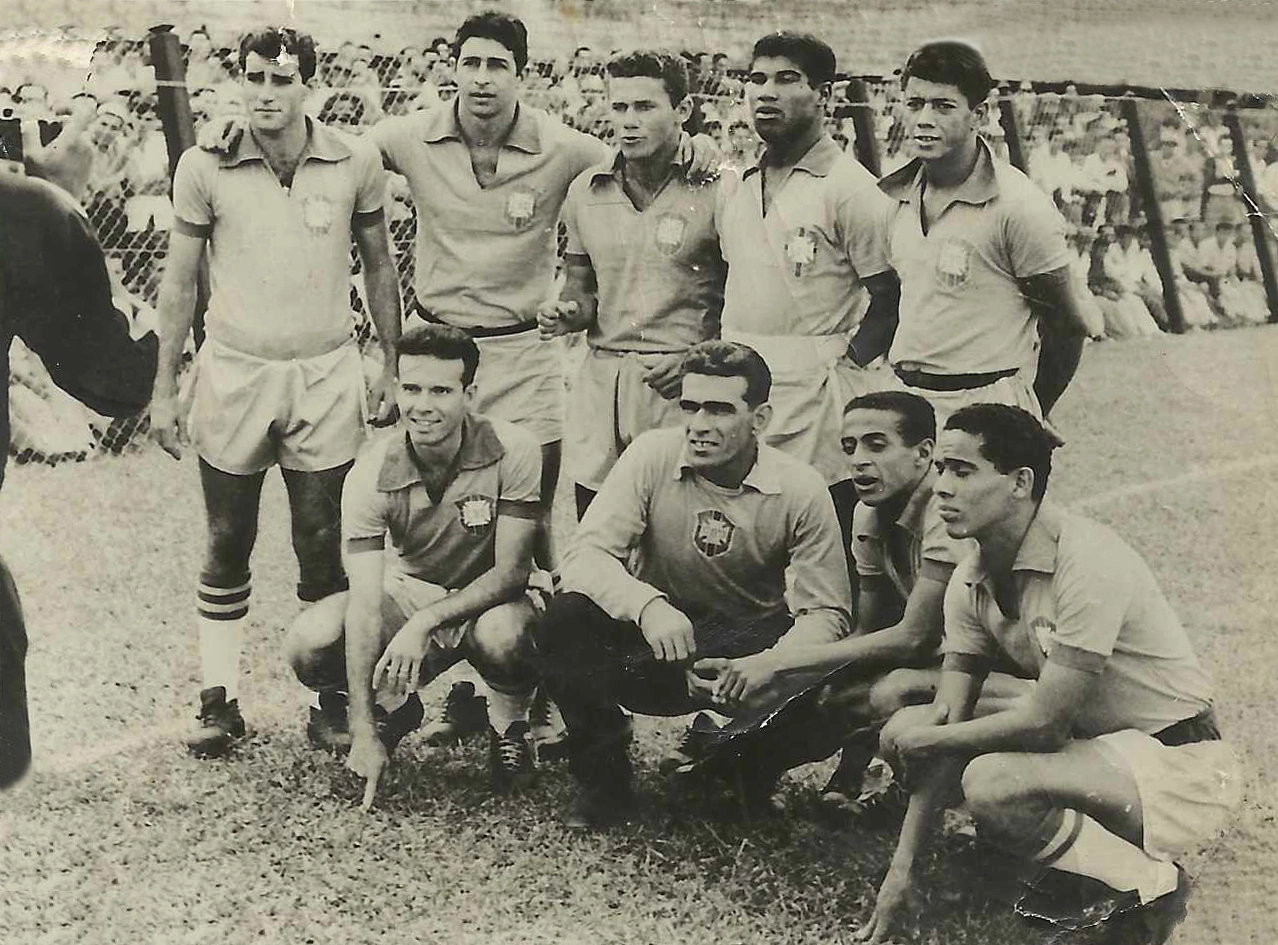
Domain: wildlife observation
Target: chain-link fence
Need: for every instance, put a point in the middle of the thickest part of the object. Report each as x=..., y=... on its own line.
x=1189, y=263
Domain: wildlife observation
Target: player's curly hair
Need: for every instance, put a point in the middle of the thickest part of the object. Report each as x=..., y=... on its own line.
x=812, y=55
x=273, y=40
x=916, y=420
x=951, y=62
x=653, y=64
x=445, y=342
x=731, y=359
x=1011, y=439
x=499, y=27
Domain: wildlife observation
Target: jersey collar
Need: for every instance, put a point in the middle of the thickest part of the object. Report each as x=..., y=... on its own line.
x=818, y=160
x=765, y=475
x=444, y=124
x=980, y=187
x=322, y=144
x=480, y=447
x=1038, y=548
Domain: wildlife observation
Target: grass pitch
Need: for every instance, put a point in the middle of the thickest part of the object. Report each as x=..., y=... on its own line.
x=118, y=836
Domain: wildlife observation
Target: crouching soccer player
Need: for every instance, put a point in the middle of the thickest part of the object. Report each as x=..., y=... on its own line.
x=459, y=496
x=850, y=687
x=683, y=554
x=1112, y=765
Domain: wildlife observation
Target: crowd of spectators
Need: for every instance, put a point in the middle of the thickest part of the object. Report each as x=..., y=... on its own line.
x=1075, y=145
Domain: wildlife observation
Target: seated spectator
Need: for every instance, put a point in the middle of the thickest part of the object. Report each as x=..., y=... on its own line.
x=1242, y=293
x=1194, y=306
x=1080, y=265
x=1051, y=168
x=203, y=66
x=1117, y=281
x=111, y=135
x=1102, y=176
x=743, y=145
x=1178, y=178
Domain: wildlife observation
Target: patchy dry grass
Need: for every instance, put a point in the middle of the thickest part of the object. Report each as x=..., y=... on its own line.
x=119, y=837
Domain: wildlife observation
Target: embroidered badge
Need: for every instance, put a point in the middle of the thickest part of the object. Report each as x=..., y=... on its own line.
x=953, y=264
x=800, y=249
x=713, y=535
x=520, y=206
x=670, y=232
x=476, y=513
x=1044, y=634
x=317, y=214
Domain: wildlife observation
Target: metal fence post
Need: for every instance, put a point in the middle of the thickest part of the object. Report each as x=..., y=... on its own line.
x=1153, y=214
x=866, y=144
x=1255, y=212
x=1012, y=131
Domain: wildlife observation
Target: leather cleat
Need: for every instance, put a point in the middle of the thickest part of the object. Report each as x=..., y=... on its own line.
x=392, y=727
x=1153, y=922
x=596, y=808
x=546, y=729
x=697, y=738
x=510, y=758
x=465, y=717
x=327, y=728
x=219, y=724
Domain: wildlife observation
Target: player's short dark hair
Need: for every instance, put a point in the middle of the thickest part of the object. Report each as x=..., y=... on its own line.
x=915, y=418
x=273, y=40
x=653, y=64
x=951, y=62
x=1011, y=439
x=499, y=27
x=731, y=359
x=810, y=54
x=444, y=342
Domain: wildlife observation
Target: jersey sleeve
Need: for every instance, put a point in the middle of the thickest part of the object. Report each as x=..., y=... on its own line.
x=364, y=506
x=370, y=197
x=862, y=218
x=520, y=476
x=568, y=216
x=385, y=135
x=866, y=549
x=1034, y=235
x=1093, y=591
x=965, y=635
x=192, y=194
x=820, y=593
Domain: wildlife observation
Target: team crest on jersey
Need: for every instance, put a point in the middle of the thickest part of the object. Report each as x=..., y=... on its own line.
x=953, y=263
x=800, y=249
x=317, y=214
x=520, y=207
x=1044, y=634
x=476, y=513
x=670, y=232
x=714, y=533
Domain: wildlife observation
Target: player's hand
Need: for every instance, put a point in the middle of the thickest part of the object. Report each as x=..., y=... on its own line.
x=368, y=759
x=402, y=661
x=221, y=135
x=557, y=318
x=907, y=748
x=382, y=409
x=668, y=632
x=164, y=425
x=895, y=901
x=666, y=376
x=66, y=160
x=699, y=157
x=746, y=682
x=700, y=690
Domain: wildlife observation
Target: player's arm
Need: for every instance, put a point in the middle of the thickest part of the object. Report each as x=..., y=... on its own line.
x=578, y=303
x=364, y=569
x=1062, y=327
x=81, y=338
x=874, y=335
x=381, y=280
x=878, y=604
x=176, y=312
x=508, y=577
x=819, y=589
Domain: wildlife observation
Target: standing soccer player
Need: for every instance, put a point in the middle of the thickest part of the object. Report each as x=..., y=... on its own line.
x=1112, y=766
x=803, y=240
x=644, y=273
x=279, y=377
x=987, y=312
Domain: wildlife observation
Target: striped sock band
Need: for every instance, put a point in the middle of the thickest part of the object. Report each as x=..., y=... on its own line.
x=223, y=603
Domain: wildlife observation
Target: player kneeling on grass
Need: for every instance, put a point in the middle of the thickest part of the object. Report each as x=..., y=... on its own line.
x=1112, y=765
x=684, y=554
x=459, y=496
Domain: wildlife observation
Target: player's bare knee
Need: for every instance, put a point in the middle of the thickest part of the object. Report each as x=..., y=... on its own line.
x=312, y=639
x=502, y=637
x=993, y=785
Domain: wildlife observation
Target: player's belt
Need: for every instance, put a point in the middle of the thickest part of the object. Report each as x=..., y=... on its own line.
x=1201, y=728
x=950, y=382
x=475, y=331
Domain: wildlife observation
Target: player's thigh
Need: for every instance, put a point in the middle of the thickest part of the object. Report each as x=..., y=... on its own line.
x=322, y=417
x=590, y=430
x=315, y=497
x=235, y=404
x=231, y=505
x=1081, y=776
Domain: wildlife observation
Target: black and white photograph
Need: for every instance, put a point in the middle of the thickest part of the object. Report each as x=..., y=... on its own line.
x=638, y=472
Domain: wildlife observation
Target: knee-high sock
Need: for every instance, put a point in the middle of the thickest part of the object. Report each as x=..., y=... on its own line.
x=1085, y=848
x=222, y=614
x=507, y=705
